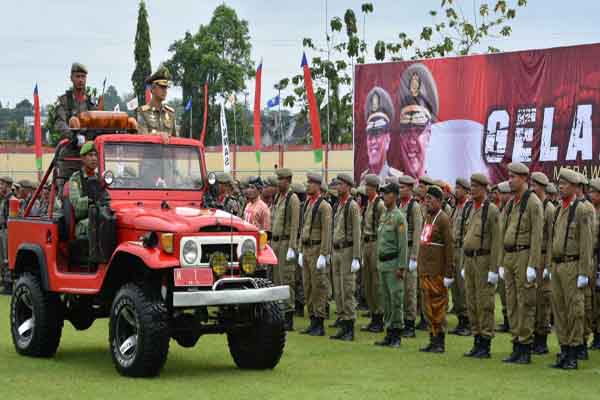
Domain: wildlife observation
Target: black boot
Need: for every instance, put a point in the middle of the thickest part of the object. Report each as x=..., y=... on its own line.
x=386, y=340
x=462, y=329
x=476, y=347
x=485, y=345
x=581, y=352
x=310, y=328
x=299, y=309
x=409, y=329
x=595, y=342
x=540, y=344
x=288, y=324
x=395, y=339
x=427, y=349
x=439, y=344
x=349, y=332
x=319, y=329
x=376, y=324
x=341, y=325
x=561, y=357
x=422, y=325
x=571, y=359
x=516, y=351
x=504, y=326
x=336, y=324
x=524, y=355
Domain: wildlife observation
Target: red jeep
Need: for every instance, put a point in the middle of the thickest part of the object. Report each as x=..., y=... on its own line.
x=156, y=262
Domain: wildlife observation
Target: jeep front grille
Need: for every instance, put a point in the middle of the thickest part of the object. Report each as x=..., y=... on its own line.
x=225, y=248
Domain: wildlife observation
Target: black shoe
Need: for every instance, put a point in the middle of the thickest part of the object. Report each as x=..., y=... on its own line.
x=561, y=357
x=540, y=345
x=341, y=325
x=524, y=355
x=386, y=340
x=571, y=359
x=422, y=325
x=409, y=329
x=595, y=342
x=476, y=347
x=439, y=344
x=348, y=335
x=462, y=329
x=375, y=326
x=427, y=349
x=299, y=309
x=504, y=326
x=336, y=324
x=396, y=339
x=288, y=324
x=319, y=329
x=581, y=352
x=310, y=328
x=515, y=353
x=485, y=345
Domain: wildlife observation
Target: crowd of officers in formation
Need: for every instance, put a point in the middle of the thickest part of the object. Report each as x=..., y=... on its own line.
x=400, y=246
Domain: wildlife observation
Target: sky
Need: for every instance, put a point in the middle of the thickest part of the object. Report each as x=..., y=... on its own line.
x=41, y=38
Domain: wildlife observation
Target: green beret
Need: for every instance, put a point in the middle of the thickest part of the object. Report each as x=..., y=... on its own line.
x=406, y=180
x=316, y=178
x=595, y=185
x=540, y=178
x=161, y=77
x=465, y=184
x=570, y=176
x=436, y=192
x=346, y=179
x=6, y=179
x=426, y=180
x=518, y=168
x=283, y=173
x=298, y=188
x=504, y=187
x=86, y=148
x=479, y=178
x=391, y=187
x=78, y=67
x=223, y=177
x=551, y=188
x=372, y=180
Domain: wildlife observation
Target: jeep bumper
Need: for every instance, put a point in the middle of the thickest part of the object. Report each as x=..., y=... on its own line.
x=230, y=296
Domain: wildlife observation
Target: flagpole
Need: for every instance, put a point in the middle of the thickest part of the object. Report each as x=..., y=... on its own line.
x=281, y=139
x=234, y=138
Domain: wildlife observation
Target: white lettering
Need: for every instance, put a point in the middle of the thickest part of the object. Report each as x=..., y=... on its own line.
x=523, y=134
x=581, y=134
x=547, y=151
x=496, y=136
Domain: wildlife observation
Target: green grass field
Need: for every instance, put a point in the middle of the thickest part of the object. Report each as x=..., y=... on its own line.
x=311, y=368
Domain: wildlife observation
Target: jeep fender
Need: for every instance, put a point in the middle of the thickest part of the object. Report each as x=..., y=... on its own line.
x=29, y=254
x=152, y=257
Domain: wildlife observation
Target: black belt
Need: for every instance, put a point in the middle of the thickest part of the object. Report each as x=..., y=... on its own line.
x=342, y=245
x=514, y=249
x=369, y=238
x=477, y=253
x=311, y=242
x=388, y=257
x=283, y=237
x=565, y=259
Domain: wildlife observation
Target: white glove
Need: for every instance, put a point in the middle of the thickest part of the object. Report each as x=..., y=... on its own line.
x=531, y=274
x=501, y=272
x=462, y=273
x=546, y=275
x=492, y=278
x=80, y=140
x=355, y=265
x=300, y=260
x=448, y=282
x=290, y=254
x=582, y=281
x=321, y=262
x=412, y=265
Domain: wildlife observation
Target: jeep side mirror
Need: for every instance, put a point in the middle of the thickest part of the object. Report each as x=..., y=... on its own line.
x=108, y=177
x=212, y=178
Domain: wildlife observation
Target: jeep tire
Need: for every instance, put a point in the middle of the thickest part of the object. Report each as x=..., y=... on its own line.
x=36, y=318
x=138, y=332
x=259, y=346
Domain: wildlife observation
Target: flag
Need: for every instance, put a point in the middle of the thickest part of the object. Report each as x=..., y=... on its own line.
x=148, y=94
x=315, y=125
x=257, y=134
x=101, y=99
x=132, y=104
x=205, y=116
x=117, y=108
x=273, y=102
x=188, y=105
x=37, y=129
x=225, y=140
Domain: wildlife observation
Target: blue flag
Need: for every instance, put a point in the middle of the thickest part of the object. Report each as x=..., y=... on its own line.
x=273, y=102
x=188, y=106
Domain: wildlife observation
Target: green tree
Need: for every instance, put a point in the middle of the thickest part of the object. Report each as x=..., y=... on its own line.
x=218, y=53
x=112, y=98
x=143, y=67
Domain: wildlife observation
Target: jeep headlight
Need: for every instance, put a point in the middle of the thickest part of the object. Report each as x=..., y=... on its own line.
x=190, y=252
x=248, y=263
x=218, y=263
x=247, y=246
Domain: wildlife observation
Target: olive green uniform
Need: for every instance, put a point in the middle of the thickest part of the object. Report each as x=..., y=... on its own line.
x=543, y=308
x=152, y=120
x=458, y=215
x=392, y=253
x=414, y=224
x=571, y=254
x=482, y=241
x=370, y=275
x=316, y=241
x=286, y=217
x=522, y=241
x=80, y=201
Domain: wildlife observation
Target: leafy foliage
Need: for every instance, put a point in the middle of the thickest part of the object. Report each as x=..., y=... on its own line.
x=143, y=67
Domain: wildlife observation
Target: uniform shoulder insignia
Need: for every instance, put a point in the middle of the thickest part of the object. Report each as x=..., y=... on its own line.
x=144, y=108
x=169, y=108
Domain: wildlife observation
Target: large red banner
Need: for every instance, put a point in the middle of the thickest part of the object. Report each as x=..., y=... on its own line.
x=452, y=117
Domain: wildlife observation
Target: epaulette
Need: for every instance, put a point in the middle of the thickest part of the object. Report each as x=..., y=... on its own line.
x=169, y=108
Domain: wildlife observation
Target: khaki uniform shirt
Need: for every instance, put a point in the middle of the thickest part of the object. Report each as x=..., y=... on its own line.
x=414, y=226
x=347, y=229
x=153, y=120
x=492, y=235
x=286, y=222
x=318, y=230
x=579, y=239
x=530, y=229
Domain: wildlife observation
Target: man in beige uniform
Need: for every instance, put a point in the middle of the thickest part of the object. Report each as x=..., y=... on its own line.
x=505, y=194
x=286, y=217
x=373, y=211
x=315, y=248
x=459, y=216
x=156, y=116
x=481, y=250
x=414, y=221
x=543, y=308
x=571, y=255
x=595, y=283
x=523, y=233
x=346, y=257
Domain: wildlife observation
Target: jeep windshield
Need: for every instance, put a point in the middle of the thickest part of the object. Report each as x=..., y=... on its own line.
x=153, y=166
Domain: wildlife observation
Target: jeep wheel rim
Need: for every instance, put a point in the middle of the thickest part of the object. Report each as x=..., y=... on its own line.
x=126, y=332
x=24, y=317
